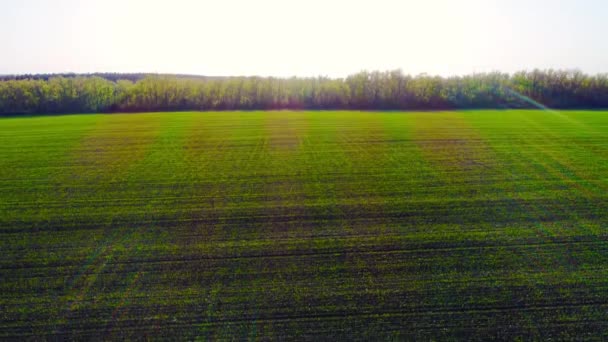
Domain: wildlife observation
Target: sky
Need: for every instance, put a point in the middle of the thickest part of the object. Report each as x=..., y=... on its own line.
x=302, y=38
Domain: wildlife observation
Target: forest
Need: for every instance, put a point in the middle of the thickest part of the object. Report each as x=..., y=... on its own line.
x=389, y=90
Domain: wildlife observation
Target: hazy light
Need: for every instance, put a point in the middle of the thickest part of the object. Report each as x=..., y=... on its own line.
x=283, y=37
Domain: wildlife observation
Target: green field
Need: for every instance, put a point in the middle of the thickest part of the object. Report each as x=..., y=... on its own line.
x=333, y=225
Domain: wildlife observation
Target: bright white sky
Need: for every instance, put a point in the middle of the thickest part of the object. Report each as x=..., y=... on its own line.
x=304, y=38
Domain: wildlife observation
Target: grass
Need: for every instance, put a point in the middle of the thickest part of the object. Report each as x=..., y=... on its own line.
x=343, y=225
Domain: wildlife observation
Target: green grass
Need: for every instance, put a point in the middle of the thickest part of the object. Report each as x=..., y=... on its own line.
x=481, y=224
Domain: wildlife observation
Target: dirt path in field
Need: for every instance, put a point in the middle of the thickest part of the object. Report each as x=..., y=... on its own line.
x=453, y=147
x=285, y=131
x=365, y=144
x=115, y=144
x=200, y=140
x=284, y=194
x=361, y=192
x=210, y=151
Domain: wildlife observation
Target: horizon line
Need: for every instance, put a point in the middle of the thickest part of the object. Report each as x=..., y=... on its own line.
x=3, y=75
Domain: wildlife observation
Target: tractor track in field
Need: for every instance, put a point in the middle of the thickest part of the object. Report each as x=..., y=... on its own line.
x=337, y=252
x=417, y=212
x=403, y=239
x=442, y=317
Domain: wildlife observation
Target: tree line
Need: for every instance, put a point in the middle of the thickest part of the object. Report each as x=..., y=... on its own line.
x=391, y=90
